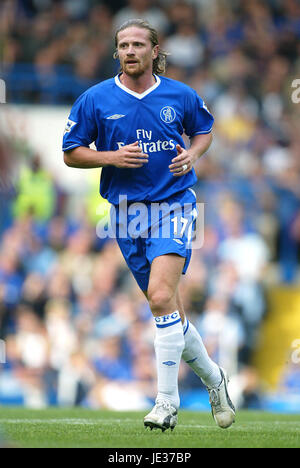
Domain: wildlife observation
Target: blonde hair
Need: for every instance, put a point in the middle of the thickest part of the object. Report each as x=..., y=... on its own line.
x=159, y=63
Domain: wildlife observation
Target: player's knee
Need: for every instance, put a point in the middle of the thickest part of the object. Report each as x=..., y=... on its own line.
x=161, y=300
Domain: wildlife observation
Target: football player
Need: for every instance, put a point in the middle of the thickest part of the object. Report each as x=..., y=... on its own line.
x=137, y=120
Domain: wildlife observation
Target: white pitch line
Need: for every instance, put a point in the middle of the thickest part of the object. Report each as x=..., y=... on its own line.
x=65, y=421
x=89, y=422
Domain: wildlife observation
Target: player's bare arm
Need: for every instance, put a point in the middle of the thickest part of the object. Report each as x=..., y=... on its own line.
x=185, y=159
x=128, y=156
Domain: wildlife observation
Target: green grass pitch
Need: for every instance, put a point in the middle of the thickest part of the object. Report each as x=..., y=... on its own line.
x=82, y=428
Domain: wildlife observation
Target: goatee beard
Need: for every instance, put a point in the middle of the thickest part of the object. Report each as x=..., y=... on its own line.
x=134, y=73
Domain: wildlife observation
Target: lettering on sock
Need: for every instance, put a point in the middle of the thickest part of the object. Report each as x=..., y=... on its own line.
x=167, y=320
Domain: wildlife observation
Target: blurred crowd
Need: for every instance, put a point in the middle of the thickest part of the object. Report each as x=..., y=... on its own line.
x=76, y=327
x=49, y=54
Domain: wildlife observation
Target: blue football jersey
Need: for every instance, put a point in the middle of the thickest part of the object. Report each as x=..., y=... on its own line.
x=112, y=116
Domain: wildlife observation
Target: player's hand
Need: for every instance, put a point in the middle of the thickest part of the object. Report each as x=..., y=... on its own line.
x=182, y=163
x=130, y=156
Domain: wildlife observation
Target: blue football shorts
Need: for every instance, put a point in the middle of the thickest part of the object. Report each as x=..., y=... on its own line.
x=147, y=230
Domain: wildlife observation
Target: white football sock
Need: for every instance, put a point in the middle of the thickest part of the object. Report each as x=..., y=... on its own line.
x=169, y=344
x=196, y=356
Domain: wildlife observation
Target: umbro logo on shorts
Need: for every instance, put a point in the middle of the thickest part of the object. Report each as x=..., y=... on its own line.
x=178, y=241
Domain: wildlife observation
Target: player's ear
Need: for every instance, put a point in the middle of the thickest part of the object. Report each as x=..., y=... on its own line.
x=115, y=55
x=155, y=51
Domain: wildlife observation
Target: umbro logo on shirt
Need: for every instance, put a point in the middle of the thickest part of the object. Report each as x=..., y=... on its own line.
x=115, y=116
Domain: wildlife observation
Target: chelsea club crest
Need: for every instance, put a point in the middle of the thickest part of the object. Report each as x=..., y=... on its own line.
x=167, y=114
